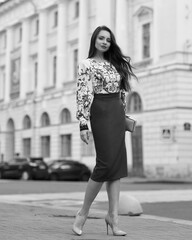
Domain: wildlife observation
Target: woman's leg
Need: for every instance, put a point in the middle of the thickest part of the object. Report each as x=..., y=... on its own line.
x=111, y=219
x=113, y=190
x=90, y=194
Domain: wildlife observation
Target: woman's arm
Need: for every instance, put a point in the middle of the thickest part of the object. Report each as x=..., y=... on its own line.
x=84, y=94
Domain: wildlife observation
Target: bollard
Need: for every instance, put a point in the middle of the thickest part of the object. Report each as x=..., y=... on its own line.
x=129, y=205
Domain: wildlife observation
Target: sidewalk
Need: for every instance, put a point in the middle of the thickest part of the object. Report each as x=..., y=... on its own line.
x=40, y=223
x=156, y=180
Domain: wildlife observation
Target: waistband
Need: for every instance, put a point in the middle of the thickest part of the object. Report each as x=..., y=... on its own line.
x=106, y=95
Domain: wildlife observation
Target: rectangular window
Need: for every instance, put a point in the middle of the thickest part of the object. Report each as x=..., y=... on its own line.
x=146, y=40
x=54, y=70
x=3, y=40
x=26, y=147
x=55, y=19
x=76, y=9
x=36, y=32
x=15, y=78
x=35, y=73
x=2, y=82
x=17, y=35
x=75, y=62
x=66, y=145
x=20, y=34
x=45, y=146
x=88, y=149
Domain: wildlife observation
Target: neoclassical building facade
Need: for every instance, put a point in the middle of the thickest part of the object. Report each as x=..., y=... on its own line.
x=41, y=43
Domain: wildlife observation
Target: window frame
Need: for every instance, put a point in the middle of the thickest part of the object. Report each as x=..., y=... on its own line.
x=45, y=146
x=65, y=117
x=75, y=62
x=45, y=120
x=76, y=9
x=27, y=147
x=2, y=82
x=134, y=103
x=27, y=122
x=146, y=35
x=142, y=17
x=66, y=145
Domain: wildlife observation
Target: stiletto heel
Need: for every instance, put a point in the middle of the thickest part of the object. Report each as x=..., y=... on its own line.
x=107, y=227
x=112, y=222
x=78, y=224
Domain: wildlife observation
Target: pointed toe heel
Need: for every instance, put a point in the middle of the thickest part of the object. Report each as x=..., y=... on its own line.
x=112, y=222
x=78, y=224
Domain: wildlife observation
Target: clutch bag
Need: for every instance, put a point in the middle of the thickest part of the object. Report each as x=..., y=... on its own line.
x=129, y=124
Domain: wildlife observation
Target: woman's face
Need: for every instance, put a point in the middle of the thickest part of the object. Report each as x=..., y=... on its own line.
x=103, y=41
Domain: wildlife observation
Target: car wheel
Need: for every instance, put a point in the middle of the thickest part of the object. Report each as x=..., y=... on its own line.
x=85, y=177
x=1, y=175
x=25, y=175
x=53, y=177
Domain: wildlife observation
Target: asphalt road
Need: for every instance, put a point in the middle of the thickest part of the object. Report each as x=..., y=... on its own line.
x=24, y=187
x=177, y=210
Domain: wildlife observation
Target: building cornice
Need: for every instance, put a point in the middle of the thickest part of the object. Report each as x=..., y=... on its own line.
x=10, y=4
x=37, y=5
x=174, y=66
x=143, y=10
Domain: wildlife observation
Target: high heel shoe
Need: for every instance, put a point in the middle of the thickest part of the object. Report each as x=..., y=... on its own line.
x=112, y=222
x=78, y=224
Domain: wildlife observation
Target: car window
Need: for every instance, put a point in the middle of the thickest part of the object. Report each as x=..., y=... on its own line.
x=36, y=159
x=56, y=165
x=65, y=166
x=18, y=161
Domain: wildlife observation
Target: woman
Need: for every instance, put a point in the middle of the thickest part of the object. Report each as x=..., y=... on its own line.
x=102, y=83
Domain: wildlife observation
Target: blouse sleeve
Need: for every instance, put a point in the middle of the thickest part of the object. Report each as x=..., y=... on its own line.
x=123, y=98
x=84, y=95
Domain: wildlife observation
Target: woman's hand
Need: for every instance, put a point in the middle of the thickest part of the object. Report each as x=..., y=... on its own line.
x=85, y=136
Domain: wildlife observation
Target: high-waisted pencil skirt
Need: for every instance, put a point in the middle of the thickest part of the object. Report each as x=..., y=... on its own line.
x=108, y=128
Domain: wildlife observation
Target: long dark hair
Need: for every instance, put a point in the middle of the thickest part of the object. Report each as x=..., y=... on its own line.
x=115, y=57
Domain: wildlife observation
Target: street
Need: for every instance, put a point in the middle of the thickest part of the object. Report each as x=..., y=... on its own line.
x=167, y=206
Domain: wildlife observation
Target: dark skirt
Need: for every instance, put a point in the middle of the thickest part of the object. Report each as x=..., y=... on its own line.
x=108, y=128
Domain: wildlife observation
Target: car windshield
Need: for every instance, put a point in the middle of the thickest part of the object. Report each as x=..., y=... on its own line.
x=38, y=161
x=18, y=160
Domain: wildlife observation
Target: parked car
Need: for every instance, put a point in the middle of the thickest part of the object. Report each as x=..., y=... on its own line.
x=24, y=168
x=68, y=170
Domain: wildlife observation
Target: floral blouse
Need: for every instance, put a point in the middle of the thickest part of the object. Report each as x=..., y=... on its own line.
x=95, y=78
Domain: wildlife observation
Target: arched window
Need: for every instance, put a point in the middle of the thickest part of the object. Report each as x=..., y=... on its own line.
x=26, y=122
x=45, y=121
x=10, y=125
x=65, y=116
x=134, y=103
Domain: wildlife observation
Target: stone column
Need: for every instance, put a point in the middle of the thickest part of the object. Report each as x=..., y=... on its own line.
x=105, y=13
x=42, y=52
x=62, y=43
x=121, y=24
x=83, y=30
x=157, y=6
x=8, y=63
x=24, y=59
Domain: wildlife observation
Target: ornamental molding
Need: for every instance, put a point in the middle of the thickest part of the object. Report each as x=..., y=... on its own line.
x=17, y=11
x=9, y=4
x=143, y=13
x=37, y=4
